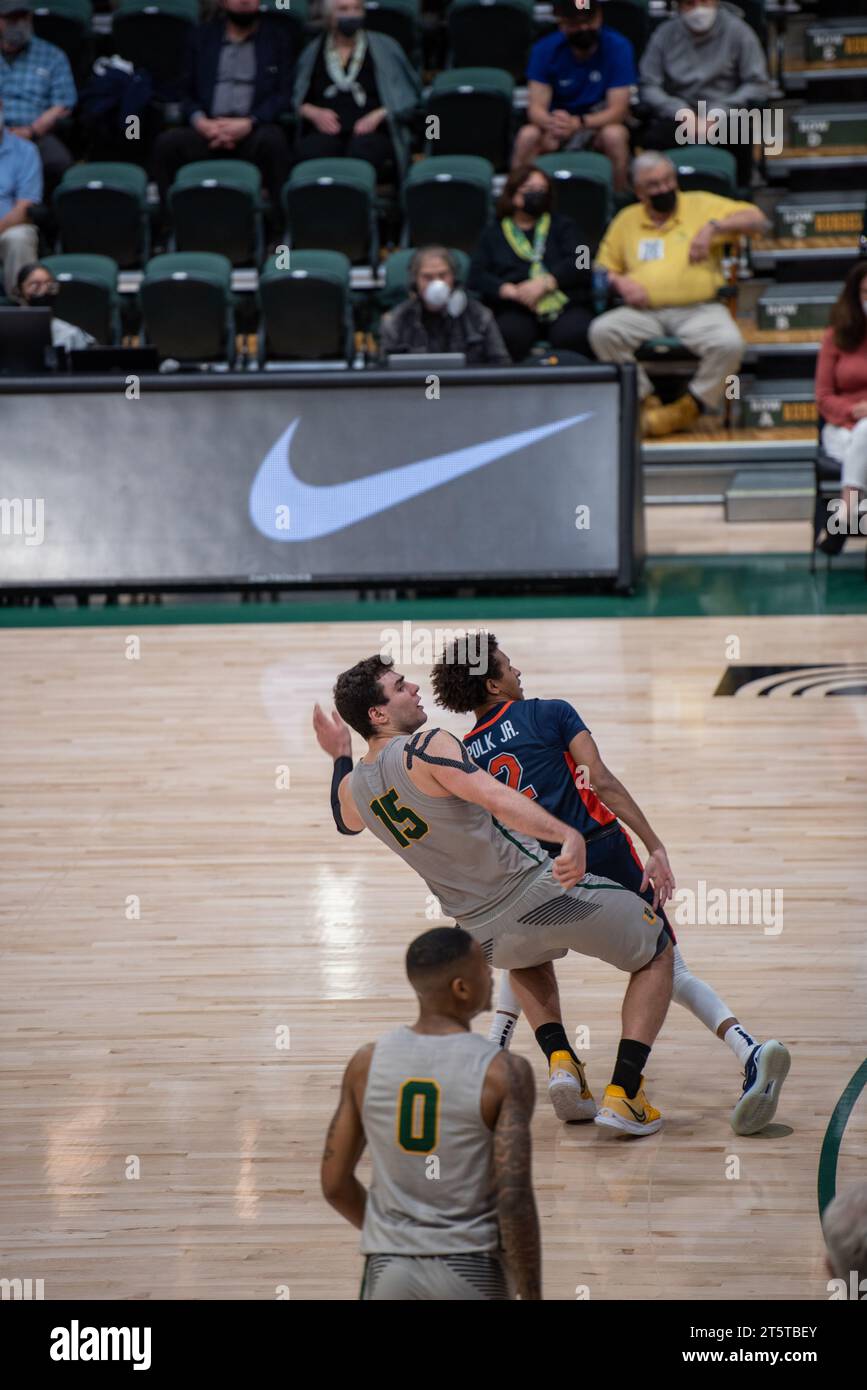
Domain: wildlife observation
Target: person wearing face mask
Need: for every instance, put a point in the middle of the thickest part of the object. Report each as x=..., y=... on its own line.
x=841, y=396
x=439, y=317
x=37, y=88
x=20, y=187
x=38, y=288
x=663, y=257
x=524, y=269
x=238, y=81
x=355, y=92
x=703, y=53
x=578, y=82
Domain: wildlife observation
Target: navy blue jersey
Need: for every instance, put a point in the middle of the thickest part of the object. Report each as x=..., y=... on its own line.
x=526, y=744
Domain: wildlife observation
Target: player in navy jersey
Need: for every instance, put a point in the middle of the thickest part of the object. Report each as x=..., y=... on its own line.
x=543, y=749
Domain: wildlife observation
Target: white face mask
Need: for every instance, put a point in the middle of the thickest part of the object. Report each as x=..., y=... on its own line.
x=700, y=19
x=436, y=294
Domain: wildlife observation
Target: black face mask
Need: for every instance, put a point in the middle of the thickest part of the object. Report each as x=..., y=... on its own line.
x=664, y=202
x=536, y=202
x=583, y=39
x=349, y=26
x=243, y=19
x=41, y=301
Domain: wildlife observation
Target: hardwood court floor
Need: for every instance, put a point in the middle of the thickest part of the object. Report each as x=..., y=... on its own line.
x=151, y=1032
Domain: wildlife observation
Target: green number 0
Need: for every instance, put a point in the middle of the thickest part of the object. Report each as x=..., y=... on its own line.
x=418, y=1116
x=392, y=815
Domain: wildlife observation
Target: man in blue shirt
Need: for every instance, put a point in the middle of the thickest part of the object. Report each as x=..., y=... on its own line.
x=578, y=89
x=20, y=185
x=37, y=87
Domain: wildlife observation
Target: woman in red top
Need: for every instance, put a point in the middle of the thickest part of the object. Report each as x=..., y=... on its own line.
x=841, y=395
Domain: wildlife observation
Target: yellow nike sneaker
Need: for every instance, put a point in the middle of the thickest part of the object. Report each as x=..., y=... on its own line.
x=628, y=1115
x=568, y=1091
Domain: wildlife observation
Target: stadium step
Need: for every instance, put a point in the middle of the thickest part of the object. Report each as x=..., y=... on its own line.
x=768, y=405
x=803, y=306
x=785, y=494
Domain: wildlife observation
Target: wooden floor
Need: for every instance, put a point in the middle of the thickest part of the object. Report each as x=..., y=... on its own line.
x=167, y=910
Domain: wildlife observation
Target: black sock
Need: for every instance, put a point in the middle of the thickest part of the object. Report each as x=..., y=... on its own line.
x=551, y=1037
x=631, y=1061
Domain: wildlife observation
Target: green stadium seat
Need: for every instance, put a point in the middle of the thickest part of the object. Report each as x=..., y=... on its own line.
x=306, y=308
x=493, y=33
x=330, y=206
x=705, y=167
x=448, y=200
x=630, y=18
x=296, y=13
x=397, y=287
x=187, y=307
x=88, y=294
x=216, y=205
x=400, y=20
x=153, y=34
x=102, y=208
x=67, y=24
x=582, y=189
x=474, y=110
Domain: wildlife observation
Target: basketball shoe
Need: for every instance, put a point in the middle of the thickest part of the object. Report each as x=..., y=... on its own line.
x=628, y=1114
x=568, y=1091
x=766, y=1069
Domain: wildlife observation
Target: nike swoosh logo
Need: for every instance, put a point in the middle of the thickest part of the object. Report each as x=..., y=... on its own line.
x=641, y=1118
x=316, y=511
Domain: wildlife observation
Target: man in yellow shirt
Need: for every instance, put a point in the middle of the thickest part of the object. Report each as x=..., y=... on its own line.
x=663, y=257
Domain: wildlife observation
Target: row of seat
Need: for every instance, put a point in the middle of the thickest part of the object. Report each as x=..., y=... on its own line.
x=331, y=204
x=188, y=309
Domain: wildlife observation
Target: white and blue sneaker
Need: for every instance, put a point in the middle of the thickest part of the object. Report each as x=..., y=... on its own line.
x=766, y=1069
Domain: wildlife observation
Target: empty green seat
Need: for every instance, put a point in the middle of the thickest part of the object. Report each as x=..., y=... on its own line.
x=448, y=200
x=88, y=294
x=216, y=205
x=101, y=208
x=330, y=206
x=705, y=167
x=582, y=188
x=397, y=283
x=305, y=306
x=473, y=110
x=400, y=20
x=493, y=33
x=187, y=308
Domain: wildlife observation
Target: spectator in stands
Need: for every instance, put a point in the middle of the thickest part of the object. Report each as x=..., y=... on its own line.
x=578, y=82
x=38, y=288
x=37, y=87
x=844, y=1226
x=841, y=395
x=663, y=258
x=238, y=80
x=704, y=53
x=525, y=268
x=355, y=92
x=438, y=316
x=20, y=186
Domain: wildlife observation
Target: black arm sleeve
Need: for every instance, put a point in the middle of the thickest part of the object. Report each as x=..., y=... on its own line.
x=341, y=767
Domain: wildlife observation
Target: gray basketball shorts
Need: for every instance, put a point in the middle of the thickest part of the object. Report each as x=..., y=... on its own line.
x=595, y=918
x=473, y=1277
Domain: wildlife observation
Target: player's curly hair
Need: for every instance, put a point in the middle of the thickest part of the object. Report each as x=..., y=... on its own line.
x=459, y=684
x=357, y=689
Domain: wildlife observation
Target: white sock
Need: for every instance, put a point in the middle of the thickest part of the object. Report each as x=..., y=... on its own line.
x=507, y=1015
x=740, y=1042
x=698, y=997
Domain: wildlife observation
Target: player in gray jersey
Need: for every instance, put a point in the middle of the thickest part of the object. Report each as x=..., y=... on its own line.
x=450, y=1214
x=424, y=797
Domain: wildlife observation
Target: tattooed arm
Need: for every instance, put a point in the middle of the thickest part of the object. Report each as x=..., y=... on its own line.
x=440, y=765
x=344, y=1143
x=516, y=1204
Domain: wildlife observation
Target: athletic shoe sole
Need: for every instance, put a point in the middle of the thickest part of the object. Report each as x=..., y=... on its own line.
x=565, y=1096
x=758, y=1107
x=609, y=1119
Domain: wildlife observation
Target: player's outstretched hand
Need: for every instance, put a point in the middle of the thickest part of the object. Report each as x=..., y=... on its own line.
x=332, y=734
x=570, y=866
x=657, y=871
